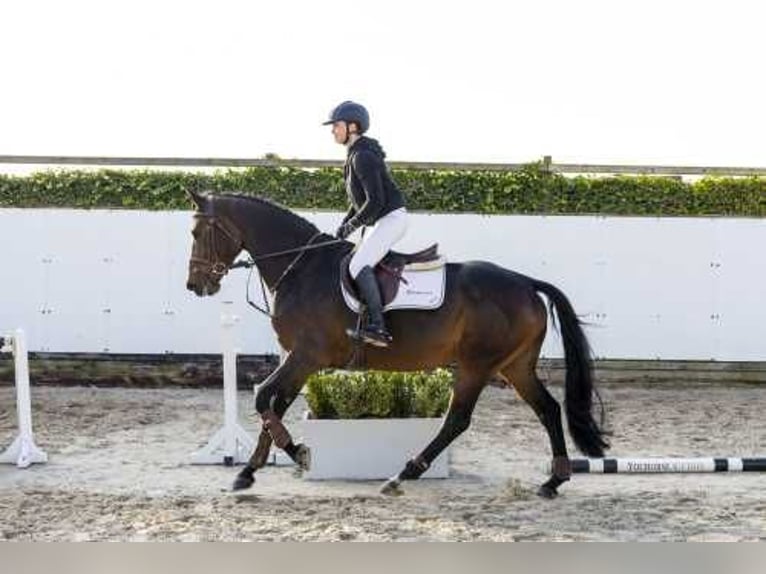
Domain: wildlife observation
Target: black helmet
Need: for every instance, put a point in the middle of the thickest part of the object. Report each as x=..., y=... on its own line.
x=350, y=112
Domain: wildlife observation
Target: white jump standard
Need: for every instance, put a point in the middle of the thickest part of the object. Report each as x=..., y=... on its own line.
x=231, y=444
x=23, y=451
x=667, y=465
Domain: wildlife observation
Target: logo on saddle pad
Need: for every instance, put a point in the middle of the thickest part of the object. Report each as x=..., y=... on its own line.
x=406, y=280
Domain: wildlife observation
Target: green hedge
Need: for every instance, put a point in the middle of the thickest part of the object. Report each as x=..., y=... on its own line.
x=529, y=190
x=378, y=394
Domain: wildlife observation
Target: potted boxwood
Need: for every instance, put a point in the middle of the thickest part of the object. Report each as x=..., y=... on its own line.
x=366, y=425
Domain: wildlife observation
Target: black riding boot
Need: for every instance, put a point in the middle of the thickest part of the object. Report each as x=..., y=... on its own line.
x=374, y=332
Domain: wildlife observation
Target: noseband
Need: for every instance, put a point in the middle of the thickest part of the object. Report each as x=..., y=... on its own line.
x=215, y=266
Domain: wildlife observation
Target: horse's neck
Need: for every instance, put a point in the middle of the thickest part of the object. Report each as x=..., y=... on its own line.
x=263, y=235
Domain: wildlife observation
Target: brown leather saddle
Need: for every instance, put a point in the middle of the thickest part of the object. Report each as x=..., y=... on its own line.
x=389, y=271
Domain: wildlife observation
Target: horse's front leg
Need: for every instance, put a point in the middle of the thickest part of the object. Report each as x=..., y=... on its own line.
x=272, y=400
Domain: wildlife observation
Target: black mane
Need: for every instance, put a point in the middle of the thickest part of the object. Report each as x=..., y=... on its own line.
x=277, y=214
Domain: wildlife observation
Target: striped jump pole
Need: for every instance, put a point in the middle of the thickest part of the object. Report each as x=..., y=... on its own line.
x=657, y=465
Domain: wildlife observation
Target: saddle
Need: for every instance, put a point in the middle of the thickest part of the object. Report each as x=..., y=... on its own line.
x=389, y=271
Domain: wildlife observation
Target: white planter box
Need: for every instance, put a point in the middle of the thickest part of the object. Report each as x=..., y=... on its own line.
x=369, y=449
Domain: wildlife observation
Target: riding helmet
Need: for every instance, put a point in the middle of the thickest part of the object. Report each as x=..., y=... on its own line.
x=350, y=112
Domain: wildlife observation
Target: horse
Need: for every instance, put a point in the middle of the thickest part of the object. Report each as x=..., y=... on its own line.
x=491, y=324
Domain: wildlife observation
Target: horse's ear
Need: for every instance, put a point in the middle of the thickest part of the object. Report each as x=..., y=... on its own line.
x=199, y=199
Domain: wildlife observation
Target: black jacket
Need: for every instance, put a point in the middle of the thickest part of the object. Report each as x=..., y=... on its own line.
x=369, y=186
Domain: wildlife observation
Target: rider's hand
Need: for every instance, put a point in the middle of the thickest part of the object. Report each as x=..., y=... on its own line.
x=344, y=231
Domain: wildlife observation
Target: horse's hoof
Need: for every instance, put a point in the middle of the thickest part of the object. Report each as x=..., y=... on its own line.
x=548, y=492
x=242, y=482
x=392, y=488
x=303, y=457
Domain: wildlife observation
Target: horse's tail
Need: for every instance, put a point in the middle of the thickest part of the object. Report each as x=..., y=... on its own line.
x=578, y=389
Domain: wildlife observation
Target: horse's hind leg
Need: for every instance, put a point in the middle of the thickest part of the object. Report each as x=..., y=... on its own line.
x=465, y=393
x=521, y=374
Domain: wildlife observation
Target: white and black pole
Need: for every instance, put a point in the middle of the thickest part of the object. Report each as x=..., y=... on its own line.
x=658, y=465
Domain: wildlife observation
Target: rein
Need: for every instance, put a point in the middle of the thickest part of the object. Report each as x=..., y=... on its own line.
x=218, y=267
x=250, y=264
x=253, y=260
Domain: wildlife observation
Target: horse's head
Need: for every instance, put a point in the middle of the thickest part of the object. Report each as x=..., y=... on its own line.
x=216, y=243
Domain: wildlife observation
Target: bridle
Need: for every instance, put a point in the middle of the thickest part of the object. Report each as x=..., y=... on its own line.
x=216, y=267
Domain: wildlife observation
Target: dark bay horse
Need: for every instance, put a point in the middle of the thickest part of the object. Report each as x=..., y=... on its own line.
x=492, y=322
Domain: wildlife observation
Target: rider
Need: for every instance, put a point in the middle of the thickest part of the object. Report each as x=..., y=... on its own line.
x=376, y=203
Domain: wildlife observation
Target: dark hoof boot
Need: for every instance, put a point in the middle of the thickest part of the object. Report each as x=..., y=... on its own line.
x=547, y=491
x=303, y=457
x=392, y=487
x=550, y=488
x=244, y=480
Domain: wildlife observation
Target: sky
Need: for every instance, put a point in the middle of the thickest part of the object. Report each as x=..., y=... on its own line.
x=662, y=82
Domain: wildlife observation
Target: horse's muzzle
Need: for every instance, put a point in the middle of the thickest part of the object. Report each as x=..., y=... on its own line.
x=206, y=289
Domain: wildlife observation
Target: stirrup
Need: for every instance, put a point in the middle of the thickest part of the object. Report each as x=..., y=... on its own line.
x=375, y=337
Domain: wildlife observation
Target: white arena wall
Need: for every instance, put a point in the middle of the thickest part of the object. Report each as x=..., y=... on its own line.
x=113, y=281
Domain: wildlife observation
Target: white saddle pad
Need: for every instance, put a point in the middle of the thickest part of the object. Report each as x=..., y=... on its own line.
x=422, y=288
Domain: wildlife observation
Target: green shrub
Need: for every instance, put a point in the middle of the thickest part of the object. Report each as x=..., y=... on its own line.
x=378, y=394
x=530, y=190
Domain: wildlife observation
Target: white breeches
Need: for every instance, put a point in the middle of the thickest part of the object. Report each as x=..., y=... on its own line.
x=378, y=240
